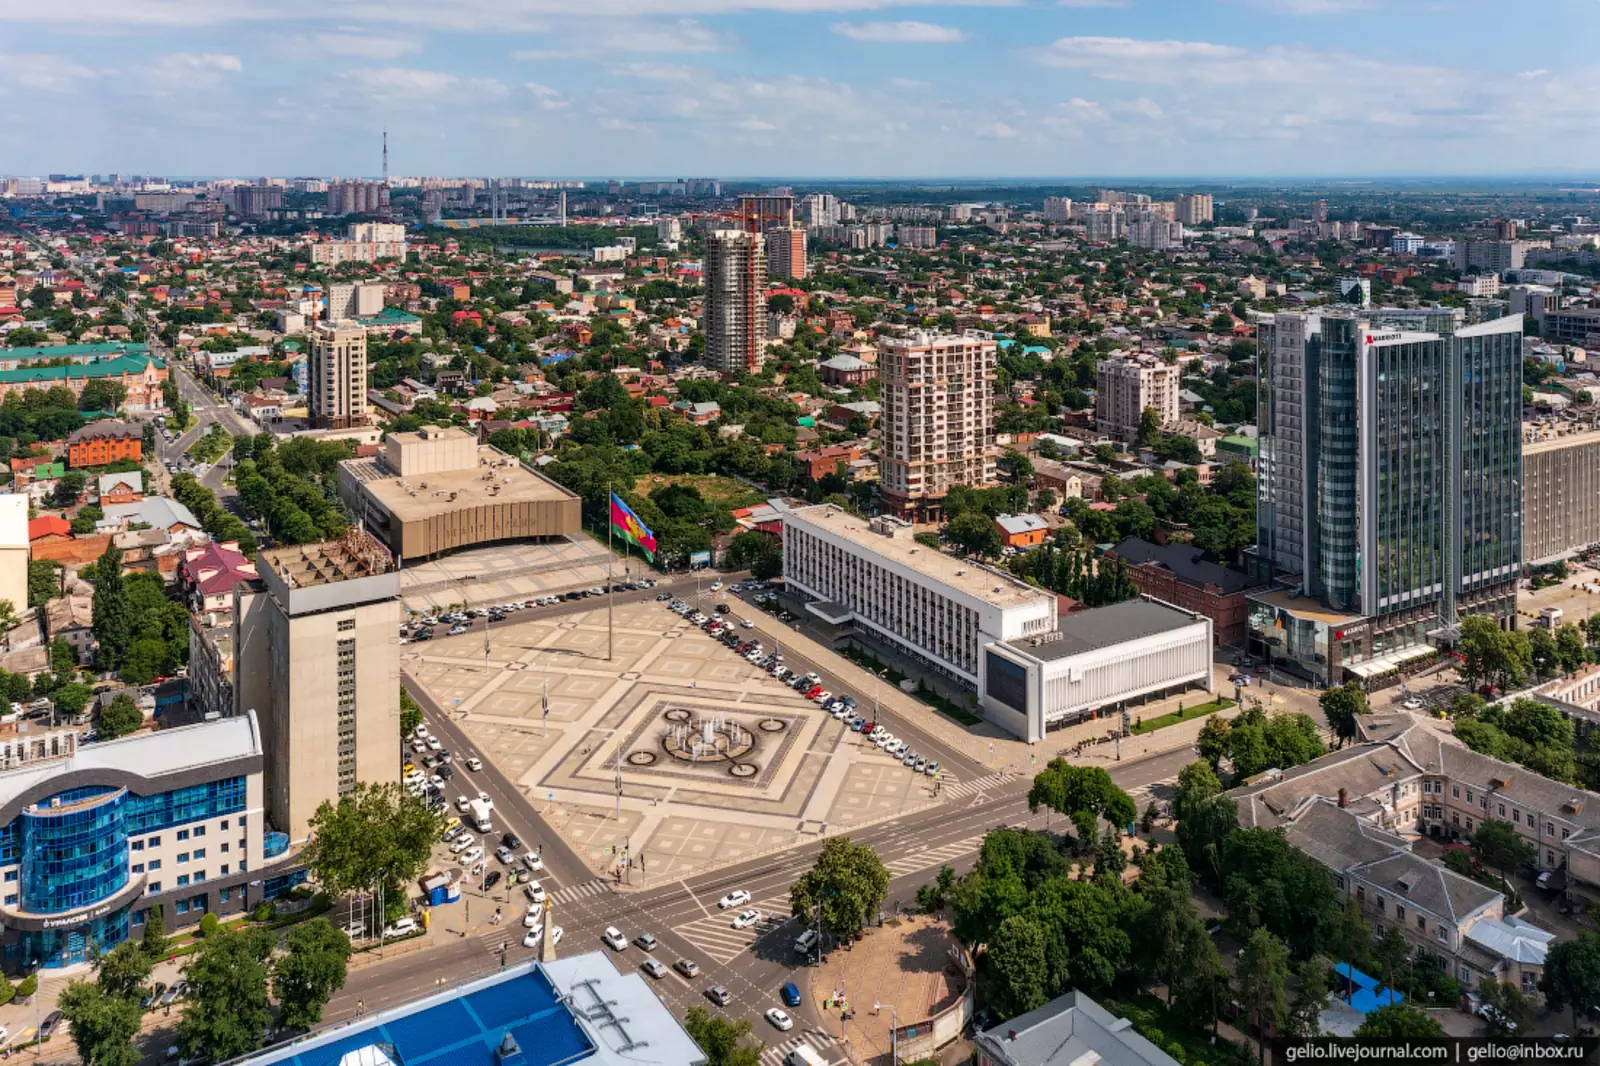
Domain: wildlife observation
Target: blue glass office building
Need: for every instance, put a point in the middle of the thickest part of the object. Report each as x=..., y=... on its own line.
x=91, y=838
x=1389, y=489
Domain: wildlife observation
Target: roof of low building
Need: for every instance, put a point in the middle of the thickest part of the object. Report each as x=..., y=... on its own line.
x=1103, y=627
x=1070, y=1030
x=1021, y=523
x=1186, y=562
x=107, y=429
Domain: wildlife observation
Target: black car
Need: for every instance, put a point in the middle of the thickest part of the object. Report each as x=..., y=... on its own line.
x=512, y=841
x=723, y=608
x=491, y=879
x=424, y=634
x=444, y=772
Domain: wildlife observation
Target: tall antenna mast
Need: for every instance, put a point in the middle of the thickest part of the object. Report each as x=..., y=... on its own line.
x=386, y=155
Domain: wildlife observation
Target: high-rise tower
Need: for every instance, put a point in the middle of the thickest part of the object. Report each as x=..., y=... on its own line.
x=735, y=302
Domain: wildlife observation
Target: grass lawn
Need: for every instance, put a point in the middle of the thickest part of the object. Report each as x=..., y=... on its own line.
x=1188, y=714
x=714, y=489
x=948, y=708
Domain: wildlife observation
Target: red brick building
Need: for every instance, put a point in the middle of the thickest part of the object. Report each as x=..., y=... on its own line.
x=104, y=442
x=1181, y=575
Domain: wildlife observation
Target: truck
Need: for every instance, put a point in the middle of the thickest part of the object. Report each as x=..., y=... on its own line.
x=805, y=1055
x=478, y=813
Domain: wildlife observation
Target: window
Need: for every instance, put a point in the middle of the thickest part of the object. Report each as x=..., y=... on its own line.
x=1516, y=815
x=1361, y=894
x=1532, y=822
x=183, y=834
x=138, y=867
x=224, y=871
x=1549, y=829
x=138, y=917
x=200, y=875
x=1381, y=902
x=1565, y=833
x=1455, y=791
x=11, y=875
x=1483, y=802
x=155, y=842
x=1438, y=931
x=1399, y=912
x=155, y=887
x=1469, y=825
x=1340, y=882
x=11, y=900
x=224, y=847
x=138, y=845
x=346, y=624
x=181, y=906
x=1469, y=795
x=155, y=864
x=1455, y=819
x=1502, y=810
x=224, y=894
x=199, y=830
x=199, y=853
x=224, y=823
x=183, y=857
x=1422, y=923
x=183, y=879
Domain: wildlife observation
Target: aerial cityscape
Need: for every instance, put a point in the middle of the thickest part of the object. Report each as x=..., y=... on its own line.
x=798, y=535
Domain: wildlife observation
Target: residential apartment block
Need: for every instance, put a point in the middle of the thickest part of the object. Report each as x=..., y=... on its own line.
x=104, y=442
x=1127, y=386
x=1193, y=208
x=337, y=375
x=937, y=396
x=735, y=314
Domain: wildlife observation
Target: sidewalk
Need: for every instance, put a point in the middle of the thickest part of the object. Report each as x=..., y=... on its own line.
x=986, y=742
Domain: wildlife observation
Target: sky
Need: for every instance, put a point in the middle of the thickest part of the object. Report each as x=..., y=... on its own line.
x=801, y=88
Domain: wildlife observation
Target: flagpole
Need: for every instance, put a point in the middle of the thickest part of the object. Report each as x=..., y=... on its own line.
x=610, y=629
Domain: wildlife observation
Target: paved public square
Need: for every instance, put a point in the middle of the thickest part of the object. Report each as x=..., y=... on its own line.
x=501, y=572
x=717, y=762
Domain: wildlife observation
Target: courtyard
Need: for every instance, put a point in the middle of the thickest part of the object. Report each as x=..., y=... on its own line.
x=674, y=753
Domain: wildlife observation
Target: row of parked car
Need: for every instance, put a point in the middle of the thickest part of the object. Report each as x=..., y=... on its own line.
x=809, y=685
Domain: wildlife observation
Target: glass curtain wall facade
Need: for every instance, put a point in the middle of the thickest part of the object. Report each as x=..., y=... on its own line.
x=1488, y=519
x=1338, y=548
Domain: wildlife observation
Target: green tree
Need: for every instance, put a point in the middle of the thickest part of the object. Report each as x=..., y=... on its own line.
x=1016, y=968
x=120, y=718
x=113, y=621
x=154, y=941
x=1167, y=928
x=102, y=1025
x=1399, y=1022
x=1341, y=706
x=1262, y=977
x=1390, y=952
x=1203, y=830
x=377, y=834
x=311, y=971
x=974, y=533
x=1068, y=789
x=72, y=698
x=721, y=1038
x=44, y=581
x=227, y=1010
x=1571, y=978
x=124, y=971
x=1310, y=997
x=1149, y=431
x=844, y=888
x=1491, y=655
x=1571, y=649
x=1015, y=466
x=757, y=552
x=410, y=713
x=1498, y=845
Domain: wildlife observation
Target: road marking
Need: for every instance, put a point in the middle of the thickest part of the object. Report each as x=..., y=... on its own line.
x=715, y=936
x=980, y=784
x=694, y=897
x=818, y=1039
x=907, y=864
x=598, y=886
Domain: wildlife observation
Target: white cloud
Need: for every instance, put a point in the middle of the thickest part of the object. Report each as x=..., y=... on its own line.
x=910, y=83
x=203, y=61
x=412, y=84
x=1530, y=75
x=899, y=32
x=43, y=73
x=350, y=43
x=1094, y=3
x=589, y=40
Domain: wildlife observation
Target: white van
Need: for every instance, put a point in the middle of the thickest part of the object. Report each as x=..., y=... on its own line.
x=805, y=942
x=805, y=1055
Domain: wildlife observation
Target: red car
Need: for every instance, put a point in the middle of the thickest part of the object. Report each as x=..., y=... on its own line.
x=813, y=692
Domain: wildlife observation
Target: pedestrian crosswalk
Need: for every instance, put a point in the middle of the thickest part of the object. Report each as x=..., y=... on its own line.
x=938, y=856
x=715, y=936
x=819, y=1041
x=980, y=784
x=597, y=887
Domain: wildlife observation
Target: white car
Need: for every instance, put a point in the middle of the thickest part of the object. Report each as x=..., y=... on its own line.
x=471, y=855
x=533, y=862
x=716, y=586
x=505, y=855
x=474, y=764
x=535, y=891
x=745, y=919
x=536, y=935
x=463, y=804
x=433, y=744
x=822, y=697
x=401, y=928
x=419, y=746
x=734, y=899
x=614, y=939
x=356, y=930
x=421, y=732
x=535, y=916
x=746, y=623
x=462, y=844
x=780, y=1019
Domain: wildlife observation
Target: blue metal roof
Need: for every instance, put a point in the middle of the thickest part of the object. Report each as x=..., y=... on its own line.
x=465, y=1031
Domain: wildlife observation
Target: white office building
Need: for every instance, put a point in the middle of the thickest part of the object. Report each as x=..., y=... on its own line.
x=984, y=629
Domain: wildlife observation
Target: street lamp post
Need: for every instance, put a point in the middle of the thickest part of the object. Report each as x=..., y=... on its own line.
x=894, y=1032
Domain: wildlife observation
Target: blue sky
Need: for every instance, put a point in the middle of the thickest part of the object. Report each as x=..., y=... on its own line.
x=802, y=88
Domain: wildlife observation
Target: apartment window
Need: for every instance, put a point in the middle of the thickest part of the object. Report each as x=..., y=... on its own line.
x=183, y=834
x=155, y=886
x=138, y=868
x=1565, y=833
x=199, y=853
x=1516, y=815
x=1532, y=823
x=138, y=845
x=1549, y=858
x=1455, y=791
x=346, y=624
x=1469, y=825
x=1340, y=882
x=182, y=905
x=1502, y=810
x=11, y=900
x=1484, y=802
x=155, y=842
x=224, y=823
x=11, y=875
x=224, y=894
x=224, y=872
x=155, y=864
x=1399, y=912
x=224, y=847
x=199, y=831
x=1455, y=819
x=183, y=857
x=200, y=875
x=1361, y=894
x=1438, y=931
x=1469, y=795
x=1422, y=923
x=1549, y=829
x=183, y=879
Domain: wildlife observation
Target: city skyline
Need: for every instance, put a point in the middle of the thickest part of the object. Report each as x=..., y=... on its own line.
x=804, y=88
